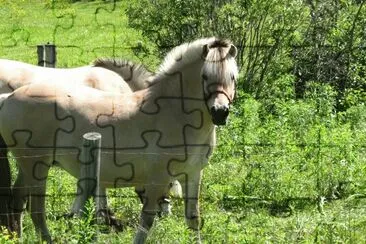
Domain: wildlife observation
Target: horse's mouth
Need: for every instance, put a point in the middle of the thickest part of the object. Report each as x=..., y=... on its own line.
x=219, y=121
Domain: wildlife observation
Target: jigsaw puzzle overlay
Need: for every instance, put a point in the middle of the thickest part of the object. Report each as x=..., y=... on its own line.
x=155, y=130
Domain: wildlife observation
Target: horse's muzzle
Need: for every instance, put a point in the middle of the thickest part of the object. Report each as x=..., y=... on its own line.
x=219, y=114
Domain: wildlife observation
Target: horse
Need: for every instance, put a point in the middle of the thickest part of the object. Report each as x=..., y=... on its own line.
x=150, y=137
x=114, y=75
x=108, y=74
x=14, y=74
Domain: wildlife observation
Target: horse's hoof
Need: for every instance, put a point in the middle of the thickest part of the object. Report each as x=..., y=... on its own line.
x=47, y=239
x=65, y=216
x=165, y=207
x=111, y=220
x=117, y=224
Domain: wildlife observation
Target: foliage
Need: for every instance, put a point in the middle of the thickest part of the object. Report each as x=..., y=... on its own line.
x=6, y=237
x=316, y=41
x=289, y=167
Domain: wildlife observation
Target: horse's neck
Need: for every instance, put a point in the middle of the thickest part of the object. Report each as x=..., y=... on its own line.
x=185, y=90
x=185, y=82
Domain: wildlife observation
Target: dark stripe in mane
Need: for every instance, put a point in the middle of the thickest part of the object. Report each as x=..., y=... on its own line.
x=118, y=63
x=138, y=74
x=219, y=43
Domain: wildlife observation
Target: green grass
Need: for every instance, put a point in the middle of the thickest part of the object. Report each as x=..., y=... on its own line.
x=268, y=174
x=80, y=31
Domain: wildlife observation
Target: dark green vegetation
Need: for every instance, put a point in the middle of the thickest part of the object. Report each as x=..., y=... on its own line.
x=289, y=167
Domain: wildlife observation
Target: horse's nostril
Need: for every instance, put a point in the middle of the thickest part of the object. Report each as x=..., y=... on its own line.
x=221, y=111
x=219, y=114
x=226, y=111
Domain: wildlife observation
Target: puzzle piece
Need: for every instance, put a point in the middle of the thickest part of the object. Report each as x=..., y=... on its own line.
x=103, y=23
x=66, y=21
x=24, y=137
x=105, y=10
x=19, y=35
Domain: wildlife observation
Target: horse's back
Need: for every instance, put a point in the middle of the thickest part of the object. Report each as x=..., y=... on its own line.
x=50, y=120
x=15, y=74
x=39, y=106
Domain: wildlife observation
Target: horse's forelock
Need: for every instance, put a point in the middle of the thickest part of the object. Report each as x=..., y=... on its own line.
x=218, y=63
x=217, y=43
x=218, y=53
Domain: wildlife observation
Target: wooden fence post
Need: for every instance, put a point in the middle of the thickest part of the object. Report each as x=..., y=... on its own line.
x=46, y=55
x=88, y=183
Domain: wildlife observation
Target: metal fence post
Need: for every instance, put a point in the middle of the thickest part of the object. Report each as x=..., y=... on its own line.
x=46, y=55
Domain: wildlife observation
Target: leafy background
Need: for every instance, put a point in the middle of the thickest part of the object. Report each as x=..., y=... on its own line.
x=290, y=165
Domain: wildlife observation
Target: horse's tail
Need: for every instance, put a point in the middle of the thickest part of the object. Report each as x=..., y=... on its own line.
x=6, y=217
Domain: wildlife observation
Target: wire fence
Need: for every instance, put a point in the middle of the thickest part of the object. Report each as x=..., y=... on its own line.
x=271, y=167
x=249, y=154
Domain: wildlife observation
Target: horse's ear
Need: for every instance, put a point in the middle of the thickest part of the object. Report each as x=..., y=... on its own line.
x=205, y=51
x=233, y=51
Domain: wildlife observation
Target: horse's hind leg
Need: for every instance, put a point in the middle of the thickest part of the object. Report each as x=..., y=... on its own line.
x=28, y=189
x=31, y=185
x=37, y=201
x=20, y=196
x=6, y=217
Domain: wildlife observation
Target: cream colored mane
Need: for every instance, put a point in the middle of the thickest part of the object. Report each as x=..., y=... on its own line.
x=189, y=52
x=182, y=55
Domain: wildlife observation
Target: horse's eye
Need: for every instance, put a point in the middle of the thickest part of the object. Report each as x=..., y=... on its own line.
x=204, y=76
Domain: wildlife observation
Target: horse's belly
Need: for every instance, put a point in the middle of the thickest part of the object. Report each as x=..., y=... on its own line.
x=138, y=168
x=68, y=160
x=132, y=168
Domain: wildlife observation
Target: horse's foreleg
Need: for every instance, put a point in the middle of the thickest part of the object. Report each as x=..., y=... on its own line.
x=191, y=191
x=164, y=204
x=151, y=199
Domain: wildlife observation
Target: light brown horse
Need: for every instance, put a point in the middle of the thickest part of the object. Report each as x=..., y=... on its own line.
x=149, y=138
x=114, y=75
x=105, y=74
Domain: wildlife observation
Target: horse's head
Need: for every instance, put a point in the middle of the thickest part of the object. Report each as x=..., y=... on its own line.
x=219, y=75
